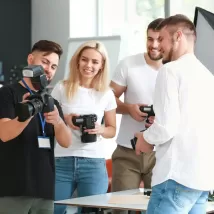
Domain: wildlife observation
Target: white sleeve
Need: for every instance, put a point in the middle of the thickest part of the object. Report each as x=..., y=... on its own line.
x=166, y=108
x=57, y=91
x=120, y=74
x=111, y=104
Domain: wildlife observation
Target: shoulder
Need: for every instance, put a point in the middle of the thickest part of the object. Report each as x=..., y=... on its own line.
x=10, y=95
x=11, y=89
x=169, y=67
x=107, y=94
x=133, y=60
x=58, y=90
x=168, y=72
x=181, y=63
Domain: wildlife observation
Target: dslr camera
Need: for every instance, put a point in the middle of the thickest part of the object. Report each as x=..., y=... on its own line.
x=146, y=109
x=41, y=101
x=86, y=122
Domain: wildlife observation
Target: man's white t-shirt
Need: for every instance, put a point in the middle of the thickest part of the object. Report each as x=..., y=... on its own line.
x=139, y=78
x=85, y=101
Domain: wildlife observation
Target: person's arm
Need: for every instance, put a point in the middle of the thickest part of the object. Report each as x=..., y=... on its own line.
x=125, y=108
x=109, y=130
x=122, y=108
x=62, y=132
x=166, y=108
x=11, y=128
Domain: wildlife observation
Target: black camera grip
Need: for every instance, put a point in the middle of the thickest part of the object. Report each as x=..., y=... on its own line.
x=49, y=103
x=147, y=120
x=134, y=140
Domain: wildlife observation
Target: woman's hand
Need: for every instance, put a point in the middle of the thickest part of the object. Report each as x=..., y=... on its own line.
x=68, y=120
x=99, y=129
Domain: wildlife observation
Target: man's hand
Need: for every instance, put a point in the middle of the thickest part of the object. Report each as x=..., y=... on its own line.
x=136, y=114
x=25, y=96
x=68, y=120
x=151, y=121
x=142, y=145
x=24, y=100
x=53, y=117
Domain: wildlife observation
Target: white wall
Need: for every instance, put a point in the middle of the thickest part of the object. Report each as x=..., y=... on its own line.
x=83, y=18
x=50, y=20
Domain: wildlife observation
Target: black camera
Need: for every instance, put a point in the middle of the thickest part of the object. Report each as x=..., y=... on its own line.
x=86, y=122
x=149, y=110
x=41, y=101
x=146, y=109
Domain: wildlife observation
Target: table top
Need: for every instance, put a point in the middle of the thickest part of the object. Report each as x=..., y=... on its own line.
x=102, y=201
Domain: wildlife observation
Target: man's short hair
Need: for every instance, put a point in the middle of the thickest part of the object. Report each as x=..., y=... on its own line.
x=179, y=20
x=48, y=47
x=154, y=24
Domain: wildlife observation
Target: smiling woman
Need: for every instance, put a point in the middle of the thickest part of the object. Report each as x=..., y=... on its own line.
x=90, y=64
x=85, y=98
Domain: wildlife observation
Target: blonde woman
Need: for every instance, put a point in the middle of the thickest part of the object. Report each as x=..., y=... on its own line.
x=85, y=93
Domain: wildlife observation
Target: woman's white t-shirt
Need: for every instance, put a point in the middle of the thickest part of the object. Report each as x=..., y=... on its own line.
x=85, y=101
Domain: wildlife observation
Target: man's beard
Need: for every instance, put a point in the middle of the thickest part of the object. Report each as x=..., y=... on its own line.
x=170, y=55
x=158, y=57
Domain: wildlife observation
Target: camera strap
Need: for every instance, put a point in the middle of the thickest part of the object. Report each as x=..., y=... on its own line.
x=40, y=116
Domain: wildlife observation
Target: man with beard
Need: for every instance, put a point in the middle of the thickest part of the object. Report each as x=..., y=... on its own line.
x=27, y=148
x=135, y=77
x=183, y=139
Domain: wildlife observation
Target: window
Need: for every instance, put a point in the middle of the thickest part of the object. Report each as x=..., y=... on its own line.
x=128, y=18
x=187, y=7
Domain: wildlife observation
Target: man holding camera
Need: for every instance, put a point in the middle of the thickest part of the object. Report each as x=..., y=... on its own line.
x=183, y=139
x=135, y=77
x=27, y=147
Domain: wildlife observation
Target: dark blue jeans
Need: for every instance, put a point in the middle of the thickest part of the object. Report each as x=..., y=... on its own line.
x=87, y=175
x=171, y=197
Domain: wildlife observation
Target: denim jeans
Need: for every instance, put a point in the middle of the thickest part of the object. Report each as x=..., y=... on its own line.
x=173, y=198
x=87, y=175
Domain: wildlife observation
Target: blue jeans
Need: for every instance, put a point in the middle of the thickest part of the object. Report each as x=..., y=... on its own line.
x=171, y=197
x=87, y=175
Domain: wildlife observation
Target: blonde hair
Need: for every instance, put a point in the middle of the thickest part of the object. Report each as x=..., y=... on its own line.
x=100, y=82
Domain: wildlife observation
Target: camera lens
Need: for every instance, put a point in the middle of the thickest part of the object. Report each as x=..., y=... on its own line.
x=37, y=105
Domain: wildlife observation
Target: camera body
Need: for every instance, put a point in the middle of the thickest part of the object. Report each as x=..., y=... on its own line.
x=149, y=110
x=146, y=109
x=86, y=122
x=40, y=102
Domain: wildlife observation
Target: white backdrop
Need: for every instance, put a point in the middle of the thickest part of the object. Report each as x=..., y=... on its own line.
x=112, y=44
